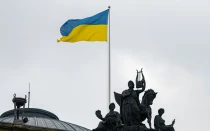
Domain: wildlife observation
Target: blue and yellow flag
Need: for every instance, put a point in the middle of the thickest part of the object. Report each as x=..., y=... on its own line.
x=92, y=28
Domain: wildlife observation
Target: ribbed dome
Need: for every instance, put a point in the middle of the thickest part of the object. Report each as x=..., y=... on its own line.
x=43, y=119
x=32, y=112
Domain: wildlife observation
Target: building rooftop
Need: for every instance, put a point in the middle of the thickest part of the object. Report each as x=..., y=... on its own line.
x=41, y=119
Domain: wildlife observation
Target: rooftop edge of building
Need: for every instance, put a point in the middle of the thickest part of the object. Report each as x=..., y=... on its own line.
x=32, y=112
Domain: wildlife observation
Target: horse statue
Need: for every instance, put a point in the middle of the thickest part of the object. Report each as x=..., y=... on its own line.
x=145, y=108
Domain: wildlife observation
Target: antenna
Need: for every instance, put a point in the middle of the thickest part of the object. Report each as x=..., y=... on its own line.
x=29, y=96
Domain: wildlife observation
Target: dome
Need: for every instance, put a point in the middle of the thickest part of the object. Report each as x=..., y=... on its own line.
x=42, y=119
x=32, y=112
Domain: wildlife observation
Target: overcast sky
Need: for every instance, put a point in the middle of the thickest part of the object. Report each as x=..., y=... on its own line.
x=170, y=39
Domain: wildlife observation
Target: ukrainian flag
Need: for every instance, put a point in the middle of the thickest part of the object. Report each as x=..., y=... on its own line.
x=92, y=28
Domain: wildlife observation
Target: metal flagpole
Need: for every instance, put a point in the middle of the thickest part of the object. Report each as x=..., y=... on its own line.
x=109, y=62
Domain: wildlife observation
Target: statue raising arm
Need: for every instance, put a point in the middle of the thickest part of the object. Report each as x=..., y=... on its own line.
x=98, y=114
x=112, y=119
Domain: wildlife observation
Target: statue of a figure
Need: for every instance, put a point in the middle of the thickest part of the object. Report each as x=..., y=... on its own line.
x=131, y=110
x=159, y=122
x=111, y=120
x=129, y=102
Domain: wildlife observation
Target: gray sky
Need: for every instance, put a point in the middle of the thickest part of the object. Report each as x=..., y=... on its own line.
x=169, y=39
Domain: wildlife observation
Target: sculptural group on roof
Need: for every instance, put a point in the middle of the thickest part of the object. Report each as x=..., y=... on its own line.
x=133, y=111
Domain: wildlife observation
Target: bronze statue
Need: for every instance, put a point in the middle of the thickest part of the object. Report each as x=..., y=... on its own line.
x=132, y=111
x=159, y=122
x=111, y=120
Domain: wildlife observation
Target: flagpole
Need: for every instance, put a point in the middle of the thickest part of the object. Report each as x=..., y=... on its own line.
x=109, y=93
